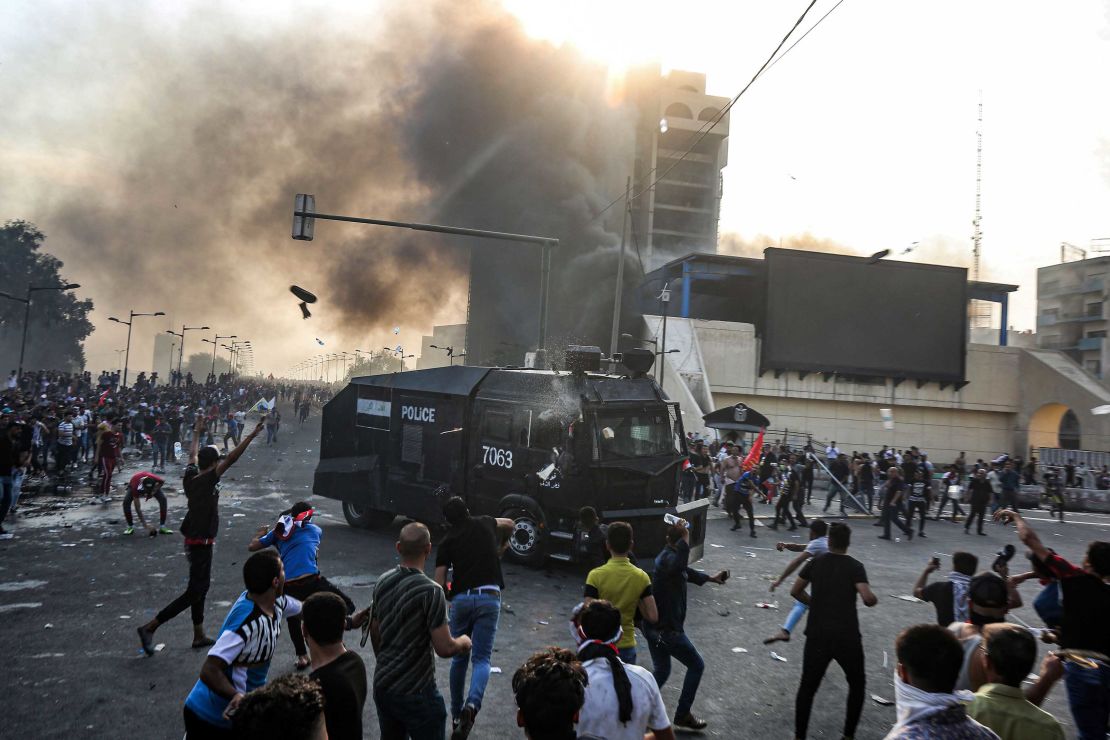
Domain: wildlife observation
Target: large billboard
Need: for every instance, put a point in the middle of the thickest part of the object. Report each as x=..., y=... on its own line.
x=834, y=313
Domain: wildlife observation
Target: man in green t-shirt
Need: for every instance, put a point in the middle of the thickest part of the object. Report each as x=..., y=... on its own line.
x=624, y=586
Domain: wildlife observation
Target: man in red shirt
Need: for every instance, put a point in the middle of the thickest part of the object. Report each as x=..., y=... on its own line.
x=1083, y=633
x=147, y=485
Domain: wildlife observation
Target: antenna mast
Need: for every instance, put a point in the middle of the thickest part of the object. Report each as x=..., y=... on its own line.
x=981, y=311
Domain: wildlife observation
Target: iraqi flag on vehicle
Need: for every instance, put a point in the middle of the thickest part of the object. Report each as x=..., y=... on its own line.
x=753, y=456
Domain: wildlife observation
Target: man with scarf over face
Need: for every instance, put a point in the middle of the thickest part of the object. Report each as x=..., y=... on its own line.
x=928, y=706
x=949, y=597
x=622, y=701
x=297, y=540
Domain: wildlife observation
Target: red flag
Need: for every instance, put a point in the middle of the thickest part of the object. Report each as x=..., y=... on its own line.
x=103, y=397
x=752, y=458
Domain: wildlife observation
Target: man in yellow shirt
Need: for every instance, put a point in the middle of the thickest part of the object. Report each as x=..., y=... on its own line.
x=624, y=586
x=1008, y=653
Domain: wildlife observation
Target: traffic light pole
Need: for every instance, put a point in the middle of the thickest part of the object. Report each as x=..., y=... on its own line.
x=302, y=229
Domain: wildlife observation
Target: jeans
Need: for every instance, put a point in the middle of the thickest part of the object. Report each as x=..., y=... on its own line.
x=1009, y=499
x=794, y=616
x=161, y=449
x=417, y=716
x=1089, y=698
x=893, y=513
x=271, y=434
x=474, y=615
x=17, y=484
x=627, y=655
x=815, y=661
x=5, y=496
x=1048, y=605
x=669, y=644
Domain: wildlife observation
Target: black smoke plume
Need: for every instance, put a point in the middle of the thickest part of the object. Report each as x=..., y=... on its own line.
x=441, y=111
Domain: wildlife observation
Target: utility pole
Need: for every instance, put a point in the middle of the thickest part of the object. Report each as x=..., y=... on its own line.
x=614, y=336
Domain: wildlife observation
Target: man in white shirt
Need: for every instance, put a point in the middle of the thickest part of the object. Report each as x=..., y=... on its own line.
x=622, y=701
x=831, y=452
x=13, y=381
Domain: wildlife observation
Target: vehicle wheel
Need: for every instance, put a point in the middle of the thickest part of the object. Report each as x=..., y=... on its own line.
x=359, y=515
x=526, y=543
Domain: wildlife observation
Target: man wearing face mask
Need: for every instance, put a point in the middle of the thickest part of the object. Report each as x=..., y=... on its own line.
x=990, y=597
x=928, y=703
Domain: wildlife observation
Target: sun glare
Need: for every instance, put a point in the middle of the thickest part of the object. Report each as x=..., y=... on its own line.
x=618, y=33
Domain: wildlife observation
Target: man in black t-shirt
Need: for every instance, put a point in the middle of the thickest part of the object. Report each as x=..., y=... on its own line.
x=202, y=520
x=980, y=492
x=949, y=597
x=341, y=672
x=832, y=632
x=472, y=550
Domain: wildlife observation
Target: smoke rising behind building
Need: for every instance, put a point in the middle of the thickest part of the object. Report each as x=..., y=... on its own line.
x=174, y=188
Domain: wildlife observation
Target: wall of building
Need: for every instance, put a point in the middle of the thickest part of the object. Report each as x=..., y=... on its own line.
x=447, y=335
x=1072, y=312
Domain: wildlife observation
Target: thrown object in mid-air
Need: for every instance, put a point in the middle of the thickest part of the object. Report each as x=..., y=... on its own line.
x=306, y=298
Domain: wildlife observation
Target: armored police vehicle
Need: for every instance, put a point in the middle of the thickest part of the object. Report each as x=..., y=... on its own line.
x=530, y=445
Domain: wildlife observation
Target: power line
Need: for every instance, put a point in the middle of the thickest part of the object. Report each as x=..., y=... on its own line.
x=800, y=38
x=709, y=125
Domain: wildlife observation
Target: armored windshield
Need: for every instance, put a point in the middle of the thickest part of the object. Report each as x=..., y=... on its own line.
x=632, y=433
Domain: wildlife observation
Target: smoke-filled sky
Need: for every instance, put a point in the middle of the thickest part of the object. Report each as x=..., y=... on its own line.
x=159, y=145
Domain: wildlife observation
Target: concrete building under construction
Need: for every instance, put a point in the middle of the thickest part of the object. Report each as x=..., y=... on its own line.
x=679, y=213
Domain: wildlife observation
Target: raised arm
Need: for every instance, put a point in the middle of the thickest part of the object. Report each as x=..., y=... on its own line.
x=1025, y=533
x=198, y=428
x=919, y=587
x=790, y=568
x=235, y=454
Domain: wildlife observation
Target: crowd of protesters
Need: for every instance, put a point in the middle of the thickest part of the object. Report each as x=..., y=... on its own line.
x=904, y=487
x=60, y=430
x=962, y=676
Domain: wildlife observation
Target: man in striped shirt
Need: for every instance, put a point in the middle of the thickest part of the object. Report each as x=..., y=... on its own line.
x=63, y=449
x=408, y=620
x=240, y=659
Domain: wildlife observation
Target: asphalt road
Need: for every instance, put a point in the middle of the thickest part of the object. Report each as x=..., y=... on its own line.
x=73, y=590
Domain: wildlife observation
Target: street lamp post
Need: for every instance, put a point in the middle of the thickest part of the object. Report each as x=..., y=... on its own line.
x=450, y=353
x=181, y=335
x=127, y=352
x=215, y=345
x=27, y=312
